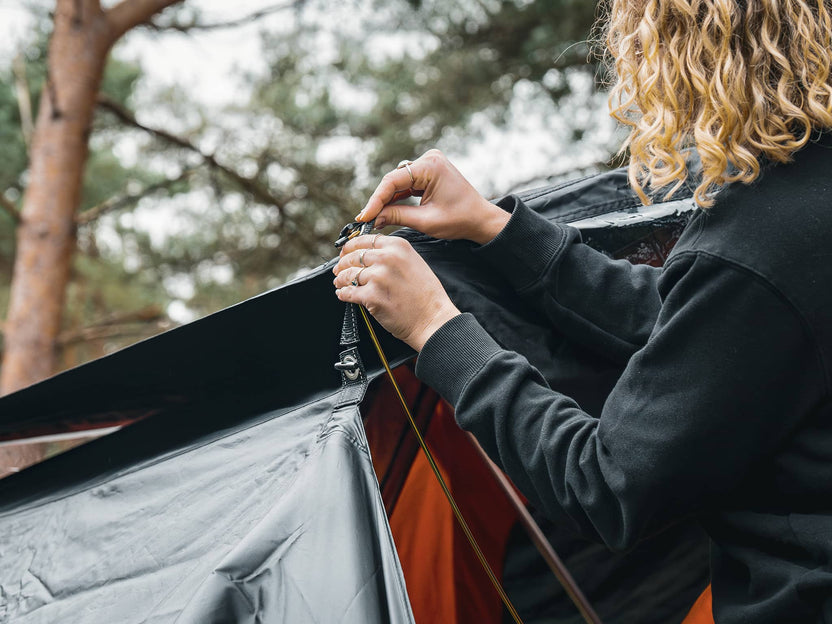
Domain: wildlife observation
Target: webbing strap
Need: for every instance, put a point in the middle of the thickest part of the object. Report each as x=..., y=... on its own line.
x=349, y=364
x=457, y=513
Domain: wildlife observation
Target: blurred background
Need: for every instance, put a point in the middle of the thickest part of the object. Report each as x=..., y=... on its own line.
x=230, y=142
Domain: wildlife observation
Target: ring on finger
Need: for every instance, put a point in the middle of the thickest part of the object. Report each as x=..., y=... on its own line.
x=355, y=281
x=373, y=246
x=361, y=257
x=406, y=164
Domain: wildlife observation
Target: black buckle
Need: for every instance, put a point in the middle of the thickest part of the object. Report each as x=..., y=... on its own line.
x=351, y=230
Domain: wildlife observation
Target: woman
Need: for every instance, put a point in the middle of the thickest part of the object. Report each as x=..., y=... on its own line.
x=723, y=411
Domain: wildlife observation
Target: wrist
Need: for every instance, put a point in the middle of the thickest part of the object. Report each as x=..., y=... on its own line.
x=493, y=221
x=418, y=339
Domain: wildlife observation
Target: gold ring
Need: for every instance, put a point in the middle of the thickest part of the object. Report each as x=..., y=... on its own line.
x=406, y=164
x=374, y=240
x=355, y=281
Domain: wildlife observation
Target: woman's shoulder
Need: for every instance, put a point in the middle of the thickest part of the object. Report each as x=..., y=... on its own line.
x=776, y=230
x=777, y=224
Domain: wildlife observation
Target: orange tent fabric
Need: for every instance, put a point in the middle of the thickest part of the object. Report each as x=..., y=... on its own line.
x=702, y=610
x=444, y=578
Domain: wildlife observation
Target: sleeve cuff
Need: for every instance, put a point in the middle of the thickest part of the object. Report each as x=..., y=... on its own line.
x=526, y=246
x=454, y=354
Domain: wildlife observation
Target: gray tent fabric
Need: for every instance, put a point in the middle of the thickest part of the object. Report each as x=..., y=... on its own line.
x=294, y=530
x=243, y=494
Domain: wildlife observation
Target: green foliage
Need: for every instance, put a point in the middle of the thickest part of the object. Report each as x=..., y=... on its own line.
x=119, y=80
x=12, y=147
x=474, y=68
x=99, y=286
x=337, y=107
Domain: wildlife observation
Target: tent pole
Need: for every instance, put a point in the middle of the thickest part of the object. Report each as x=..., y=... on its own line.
x=539, y=539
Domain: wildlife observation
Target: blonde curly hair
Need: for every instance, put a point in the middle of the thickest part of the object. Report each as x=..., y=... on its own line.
x=739, y=80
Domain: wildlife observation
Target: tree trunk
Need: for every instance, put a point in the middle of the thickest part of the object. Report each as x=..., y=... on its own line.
x=81, y=39
x=46, y=235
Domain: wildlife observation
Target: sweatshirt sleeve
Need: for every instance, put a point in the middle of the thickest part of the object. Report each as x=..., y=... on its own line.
x=725, y=375
x=607, y=305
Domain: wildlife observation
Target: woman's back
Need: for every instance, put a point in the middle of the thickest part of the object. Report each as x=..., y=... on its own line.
x=772, y=529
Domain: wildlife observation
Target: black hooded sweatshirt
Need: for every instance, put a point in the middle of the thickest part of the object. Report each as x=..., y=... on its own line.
x=723, y=412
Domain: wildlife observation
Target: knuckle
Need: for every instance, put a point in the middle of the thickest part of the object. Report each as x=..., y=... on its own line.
x=403, y=247
x=434, y=157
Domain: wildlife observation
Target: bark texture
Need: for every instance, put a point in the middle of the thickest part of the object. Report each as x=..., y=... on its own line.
x=46, y=234
x=82, y=37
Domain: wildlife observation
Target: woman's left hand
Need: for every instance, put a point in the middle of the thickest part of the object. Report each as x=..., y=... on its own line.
x=395, y=285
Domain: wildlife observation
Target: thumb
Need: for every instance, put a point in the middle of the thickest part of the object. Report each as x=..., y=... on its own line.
x=402, y=214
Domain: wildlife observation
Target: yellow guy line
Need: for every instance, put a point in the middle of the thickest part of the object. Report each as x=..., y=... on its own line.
x=457, y=513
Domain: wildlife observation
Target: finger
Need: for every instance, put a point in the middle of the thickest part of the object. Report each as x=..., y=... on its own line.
x=345, y=277
x=351, y=294
x=400, y=195
x=394, y=183
x=394, y=186
x=352, y=276
x=365, y=241
x=358, y=258
x=401, y=214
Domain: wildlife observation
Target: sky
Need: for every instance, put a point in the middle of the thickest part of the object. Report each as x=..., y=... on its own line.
x=205, y=63
x=209, y=65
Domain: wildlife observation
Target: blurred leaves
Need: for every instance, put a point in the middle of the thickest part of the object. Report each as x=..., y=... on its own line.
x=248, y=196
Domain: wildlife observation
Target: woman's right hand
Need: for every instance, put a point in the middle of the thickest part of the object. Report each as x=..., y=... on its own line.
x=450, y=207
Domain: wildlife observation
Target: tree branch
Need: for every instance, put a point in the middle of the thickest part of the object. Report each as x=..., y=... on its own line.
x=194, y=24
x=24, y=102
x=250, y=185
x=99, y=333
x=122, y=201
x=128, y=14
x=10, y=209
x=114, y=325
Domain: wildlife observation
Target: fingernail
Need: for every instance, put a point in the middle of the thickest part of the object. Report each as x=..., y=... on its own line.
x=380, y=223
x=360, y=215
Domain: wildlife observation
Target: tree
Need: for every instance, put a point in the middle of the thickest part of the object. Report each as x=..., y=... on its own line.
x=467, y=61
x=264, y=186
x=82, y=37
